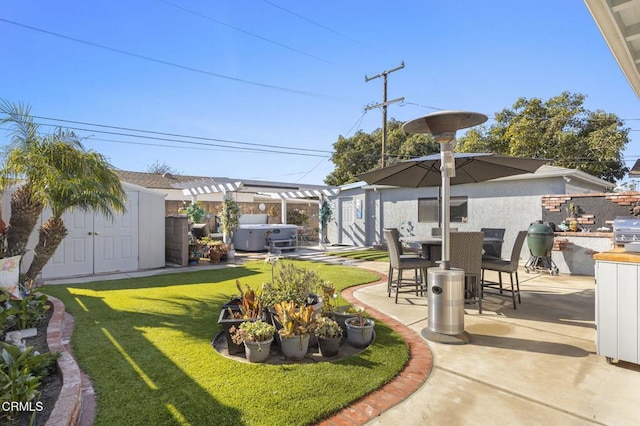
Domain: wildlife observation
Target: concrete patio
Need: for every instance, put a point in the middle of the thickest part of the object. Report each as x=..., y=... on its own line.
x=533, y=365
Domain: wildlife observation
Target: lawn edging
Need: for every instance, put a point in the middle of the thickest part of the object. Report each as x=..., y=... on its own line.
x=68, y=407
x=411, y=377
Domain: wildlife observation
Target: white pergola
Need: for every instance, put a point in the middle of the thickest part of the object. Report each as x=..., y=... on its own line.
x=276, y=190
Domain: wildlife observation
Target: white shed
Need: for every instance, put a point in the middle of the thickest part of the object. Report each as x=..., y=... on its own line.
x=133, y=241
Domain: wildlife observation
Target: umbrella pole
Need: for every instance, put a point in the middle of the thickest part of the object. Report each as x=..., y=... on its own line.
x=446, y=203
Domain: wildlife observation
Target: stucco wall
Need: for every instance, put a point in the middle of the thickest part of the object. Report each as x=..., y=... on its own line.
x=512, y=205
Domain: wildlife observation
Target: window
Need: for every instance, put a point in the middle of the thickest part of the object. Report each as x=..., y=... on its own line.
x=429, y=209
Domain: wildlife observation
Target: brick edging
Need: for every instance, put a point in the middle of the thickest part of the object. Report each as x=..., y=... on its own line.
x=67, y=408
x=413, y=375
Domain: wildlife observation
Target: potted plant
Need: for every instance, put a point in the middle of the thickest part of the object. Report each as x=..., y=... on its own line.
x=297, y=324
x=291, y=283
x=256, y=336
x=217, y=251
x=329, y=334
x=359, y=330
x=243, y=308
x=229, y=220
x=195, y=212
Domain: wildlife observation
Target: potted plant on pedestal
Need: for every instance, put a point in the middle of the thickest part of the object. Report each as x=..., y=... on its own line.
x=359, y=330
x=329, y=335
x=297, y=324
x=256, y=336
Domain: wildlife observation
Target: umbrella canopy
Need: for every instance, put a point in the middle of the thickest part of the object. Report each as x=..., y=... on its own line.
x=470, y=167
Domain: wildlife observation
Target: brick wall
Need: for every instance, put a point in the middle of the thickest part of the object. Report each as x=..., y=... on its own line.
x=595, y=210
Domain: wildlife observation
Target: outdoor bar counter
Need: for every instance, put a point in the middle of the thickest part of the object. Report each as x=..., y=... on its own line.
x=573, y=251
x=618, y=305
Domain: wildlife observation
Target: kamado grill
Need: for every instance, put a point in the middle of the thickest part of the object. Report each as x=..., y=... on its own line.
x=626, y=229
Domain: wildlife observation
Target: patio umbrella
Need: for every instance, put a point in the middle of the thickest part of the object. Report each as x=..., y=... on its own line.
x=470, y=167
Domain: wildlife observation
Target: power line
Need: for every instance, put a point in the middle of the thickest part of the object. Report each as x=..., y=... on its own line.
x=208, y=147
x=193, y=142
x=193, y=12
x=168, y=134
x=167, y=63
x=315, y=23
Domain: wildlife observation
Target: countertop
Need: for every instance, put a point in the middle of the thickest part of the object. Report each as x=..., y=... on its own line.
x=618, y=255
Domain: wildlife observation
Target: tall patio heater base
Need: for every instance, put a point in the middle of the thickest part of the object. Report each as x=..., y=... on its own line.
x=445, y=298
x=450, y=339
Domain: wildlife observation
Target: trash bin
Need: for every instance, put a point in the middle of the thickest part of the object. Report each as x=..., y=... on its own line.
x=540, y=241
x=445, y=296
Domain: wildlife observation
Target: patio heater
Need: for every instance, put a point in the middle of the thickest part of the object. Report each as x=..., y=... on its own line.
x=445, y=291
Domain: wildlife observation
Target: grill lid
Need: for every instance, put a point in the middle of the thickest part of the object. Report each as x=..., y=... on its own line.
x=626, y=229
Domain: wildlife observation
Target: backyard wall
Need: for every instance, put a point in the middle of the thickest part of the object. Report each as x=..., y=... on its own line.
x=595, y=210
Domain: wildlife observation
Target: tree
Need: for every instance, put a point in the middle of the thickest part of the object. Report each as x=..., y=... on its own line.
x=362, y=152
x=561, y=130
x=57, y=173
x=161, y=168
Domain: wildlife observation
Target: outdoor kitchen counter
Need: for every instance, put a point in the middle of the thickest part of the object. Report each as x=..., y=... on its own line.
x=573, y=251
x=618, y=255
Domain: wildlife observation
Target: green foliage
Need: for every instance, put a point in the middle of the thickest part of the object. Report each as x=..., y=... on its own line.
x=21, y=314
x=229, y=216
x=252, y=331
x=327, y=328
x=560, y=129
x=325, y=214
x=362, y=152
x=20, y=372
x=32, y=310
x=295, y=320
x=290, y=283
x=297, y=217
x=196, y=212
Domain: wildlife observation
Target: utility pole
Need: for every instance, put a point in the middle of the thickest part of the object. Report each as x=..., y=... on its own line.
x=384, y=105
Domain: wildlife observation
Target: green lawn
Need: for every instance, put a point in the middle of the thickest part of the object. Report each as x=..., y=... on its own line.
x=367, y=254
x=146, y=345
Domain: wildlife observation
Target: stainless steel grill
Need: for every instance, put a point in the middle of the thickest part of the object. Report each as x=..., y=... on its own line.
x=626, y=229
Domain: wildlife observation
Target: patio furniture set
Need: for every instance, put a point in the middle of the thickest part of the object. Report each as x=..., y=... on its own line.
x=473, y=252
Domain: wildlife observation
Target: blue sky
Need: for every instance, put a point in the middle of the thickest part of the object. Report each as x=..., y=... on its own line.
x=288, y=76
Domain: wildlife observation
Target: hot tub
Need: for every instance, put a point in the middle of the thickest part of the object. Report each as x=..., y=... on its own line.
x=251, y=237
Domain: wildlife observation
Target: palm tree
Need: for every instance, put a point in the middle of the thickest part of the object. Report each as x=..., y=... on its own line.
x=25, y=207
x=60, y=174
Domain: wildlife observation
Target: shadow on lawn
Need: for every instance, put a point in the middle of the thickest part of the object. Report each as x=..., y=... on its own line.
x=178, y=278
x=136, y=380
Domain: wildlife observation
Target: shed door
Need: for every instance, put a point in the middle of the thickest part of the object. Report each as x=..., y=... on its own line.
x=115, y=241
x=346, y=222
x=95, y=244
x=74, y=255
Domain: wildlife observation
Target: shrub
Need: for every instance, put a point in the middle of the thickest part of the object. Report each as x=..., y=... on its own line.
x=290, y=283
